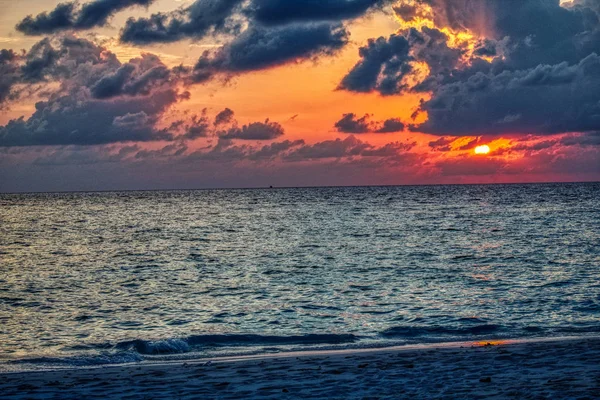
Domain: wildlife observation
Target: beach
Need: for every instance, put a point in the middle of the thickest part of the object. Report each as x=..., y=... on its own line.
x=546, y=368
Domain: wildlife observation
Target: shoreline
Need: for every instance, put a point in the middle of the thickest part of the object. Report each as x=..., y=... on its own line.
x=543, y=367
x=179, y=358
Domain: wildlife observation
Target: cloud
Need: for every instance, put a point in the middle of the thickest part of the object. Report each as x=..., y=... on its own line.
x=88, y=96
x=255, y=131
x=205, y=18
x=298, y=151
x=72, y=16
x=542, y=100
x=9, y=73
x=442, y=144
x=198, y=127
x=390, y=126
x=258, y=34
x=224, y=117
x=270, y=12
x=383, y=66
x=65, y=120
x=198, y=20
x=270, y=151
x=260, y=48
x=584, y=140
x=488, y=68
x=347, y=148
x=349, y=123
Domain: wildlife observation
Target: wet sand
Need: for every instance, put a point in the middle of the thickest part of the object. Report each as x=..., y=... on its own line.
x=565, y=368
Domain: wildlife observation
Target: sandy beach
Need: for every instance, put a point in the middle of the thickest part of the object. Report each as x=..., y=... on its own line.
x=561, y=368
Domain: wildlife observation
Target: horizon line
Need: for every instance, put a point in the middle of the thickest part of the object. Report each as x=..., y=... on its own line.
x=297, y=187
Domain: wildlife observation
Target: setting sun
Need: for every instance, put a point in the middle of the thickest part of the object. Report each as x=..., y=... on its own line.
x=482, y=149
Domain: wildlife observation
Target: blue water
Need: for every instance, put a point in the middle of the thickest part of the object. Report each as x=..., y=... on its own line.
x=94, y=278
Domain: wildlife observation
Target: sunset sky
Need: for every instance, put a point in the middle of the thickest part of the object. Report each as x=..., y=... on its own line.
x=159, y=94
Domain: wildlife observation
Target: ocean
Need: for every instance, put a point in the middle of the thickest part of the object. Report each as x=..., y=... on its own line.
x=118, y=277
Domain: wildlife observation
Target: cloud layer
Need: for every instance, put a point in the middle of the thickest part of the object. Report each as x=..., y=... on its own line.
x=72, y=16
x=491, y=67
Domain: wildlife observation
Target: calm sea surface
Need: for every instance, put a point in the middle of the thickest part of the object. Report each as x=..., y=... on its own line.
x=93, y=278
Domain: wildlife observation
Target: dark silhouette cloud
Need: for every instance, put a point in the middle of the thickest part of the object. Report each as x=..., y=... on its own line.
x=71, y=16
x=224, y=117
x=349, y=123
x=201, y=18
x=534, y=70
x=258, y=34
x=442, y=144
x=390, y=126
x=270, y=151
x=348, y=148
x=208, y=17
x=137, y=77
x=65, y=121
x=271, y=12
x=255, y=131
x=198, y=127
x=260, y=48
x=99, y=99
x=546, y=99
x=383, y=66
x=338, y=148
x=9, y=73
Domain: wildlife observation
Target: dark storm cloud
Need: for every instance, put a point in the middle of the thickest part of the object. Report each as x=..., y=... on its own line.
x=38, y=61
x=384, y=63
x=543, y=78
x=196, y=21
x=91, y=97
x=545, y=99
x=137, y=77
x=431, y=47
x=9, y=73
x=207, y=17
x=64, y=121
x=260, y=48
x=74, y=17
x=349, y=123
x=258, y=34
x=271, y=12
x=255, y=131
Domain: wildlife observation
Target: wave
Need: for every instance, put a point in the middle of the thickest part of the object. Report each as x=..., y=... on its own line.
x=207, y=345
x=174, y=346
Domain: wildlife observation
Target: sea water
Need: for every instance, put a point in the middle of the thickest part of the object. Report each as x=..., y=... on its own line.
x=105, y=278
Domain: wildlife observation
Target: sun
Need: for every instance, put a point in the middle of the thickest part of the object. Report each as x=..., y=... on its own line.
x=484, y=149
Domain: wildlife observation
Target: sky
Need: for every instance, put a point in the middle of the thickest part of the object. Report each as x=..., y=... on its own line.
x=168, y=94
